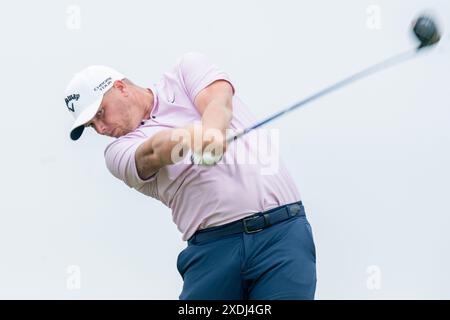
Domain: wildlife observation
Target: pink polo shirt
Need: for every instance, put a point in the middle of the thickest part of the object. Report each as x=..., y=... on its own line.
x=250, y=178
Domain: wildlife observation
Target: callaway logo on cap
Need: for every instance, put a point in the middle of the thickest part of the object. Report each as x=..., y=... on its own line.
x=85, y=92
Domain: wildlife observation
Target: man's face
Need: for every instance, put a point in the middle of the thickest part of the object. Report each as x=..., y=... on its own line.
x=117, y=114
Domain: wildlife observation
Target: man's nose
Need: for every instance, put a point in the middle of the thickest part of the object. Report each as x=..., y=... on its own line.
x=99, y=127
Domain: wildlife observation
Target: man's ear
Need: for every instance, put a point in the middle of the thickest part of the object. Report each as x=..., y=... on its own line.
x=122, y=87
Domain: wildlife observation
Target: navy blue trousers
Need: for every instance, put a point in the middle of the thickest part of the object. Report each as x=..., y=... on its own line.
x=277, y=263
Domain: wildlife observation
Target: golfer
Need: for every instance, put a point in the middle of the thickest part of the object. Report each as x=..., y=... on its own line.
x=246, y=230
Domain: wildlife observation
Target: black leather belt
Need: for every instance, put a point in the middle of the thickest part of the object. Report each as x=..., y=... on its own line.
x=251, y=224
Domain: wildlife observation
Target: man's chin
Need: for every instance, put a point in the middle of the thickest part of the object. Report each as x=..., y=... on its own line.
x=117, y=133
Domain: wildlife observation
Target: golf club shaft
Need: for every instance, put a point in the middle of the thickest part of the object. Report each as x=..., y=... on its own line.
x=359, y=75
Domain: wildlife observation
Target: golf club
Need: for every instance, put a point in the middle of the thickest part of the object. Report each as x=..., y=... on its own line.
x=425, y=30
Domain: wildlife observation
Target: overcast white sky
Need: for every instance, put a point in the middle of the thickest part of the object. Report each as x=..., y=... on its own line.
x=371, y=161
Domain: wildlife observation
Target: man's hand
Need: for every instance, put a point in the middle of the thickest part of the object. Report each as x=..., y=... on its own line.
x=208, y=146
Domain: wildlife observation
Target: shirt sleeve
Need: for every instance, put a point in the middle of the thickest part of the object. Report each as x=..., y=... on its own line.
x=198, y=72
x=120, y=161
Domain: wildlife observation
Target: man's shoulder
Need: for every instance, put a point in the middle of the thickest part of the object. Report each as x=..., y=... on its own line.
x=190, y=58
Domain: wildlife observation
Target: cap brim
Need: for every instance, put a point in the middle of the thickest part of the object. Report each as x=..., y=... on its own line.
x=83, y=118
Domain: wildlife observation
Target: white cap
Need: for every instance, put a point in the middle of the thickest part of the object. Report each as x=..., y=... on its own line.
x=85, y=92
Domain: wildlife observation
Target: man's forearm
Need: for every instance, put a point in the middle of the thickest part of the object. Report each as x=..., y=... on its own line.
x=169, y=144
x=165, y=147
x=217, y=115
x=215, y=121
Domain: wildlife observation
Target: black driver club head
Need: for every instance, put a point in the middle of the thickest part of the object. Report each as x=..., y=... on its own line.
x=426, y=30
